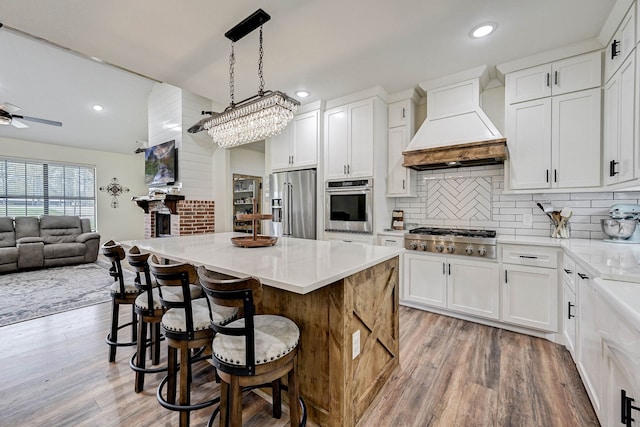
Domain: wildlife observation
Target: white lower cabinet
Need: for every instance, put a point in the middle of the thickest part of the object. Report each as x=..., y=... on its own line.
x=461, y=285
x=569, y=319
x=589, y=341
x=530, y=287
x=621, y=394
x=394, y=240
x=530, y=297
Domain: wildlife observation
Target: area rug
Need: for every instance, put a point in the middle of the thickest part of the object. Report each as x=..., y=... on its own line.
x=30, y=294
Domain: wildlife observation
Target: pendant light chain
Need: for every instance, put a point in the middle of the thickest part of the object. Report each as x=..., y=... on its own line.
x=260, y=54
x=232, y=62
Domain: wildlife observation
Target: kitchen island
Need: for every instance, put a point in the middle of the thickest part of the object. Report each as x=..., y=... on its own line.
x=333, y=291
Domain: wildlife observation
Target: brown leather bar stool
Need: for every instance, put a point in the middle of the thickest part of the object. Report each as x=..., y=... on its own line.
x=121, y=294
x=186, y=325
x=253, y=351
x=149, y=310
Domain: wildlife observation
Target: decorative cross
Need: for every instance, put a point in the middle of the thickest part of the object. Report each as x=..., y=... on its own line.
x=114, y=189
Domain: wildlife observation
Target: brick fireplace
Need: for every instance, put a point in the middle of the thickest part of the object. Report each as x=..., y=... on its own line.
x=179, y=218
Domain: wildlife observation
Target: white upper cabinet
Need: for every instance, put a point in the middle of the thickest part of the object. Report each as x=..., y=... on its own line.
x=557, y=78
x=621, y=44
x=553, y=124
x=401, y=113
x=297, y=146
x=555, y=142
x=349, y=148
x=619, y=124
x=401, y=181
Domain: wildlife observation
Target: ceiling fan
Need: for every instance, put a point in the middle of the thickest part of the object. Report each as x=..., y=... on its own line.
x=7, y=117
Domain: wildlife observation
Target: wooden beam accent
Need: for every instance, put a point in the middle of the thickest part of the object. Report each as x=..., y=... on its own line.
x=475, y=151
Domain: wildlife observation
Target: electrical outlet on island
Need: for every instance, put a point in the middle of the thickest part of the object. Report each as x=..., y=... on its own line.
x=355, y=344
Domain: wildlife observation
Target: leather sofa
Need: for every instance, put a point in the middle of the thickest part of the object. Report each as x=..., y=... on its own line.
x=48, y=241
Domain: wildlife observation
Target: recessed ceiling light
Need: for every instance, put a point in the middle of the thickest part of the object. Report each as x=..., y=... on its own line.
x=302, y=93
x=483, y=30
x=97, y=107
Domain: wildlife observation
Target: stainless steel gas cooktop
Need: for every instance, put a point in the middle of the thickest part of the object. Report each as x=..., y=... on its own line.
x=479, y=243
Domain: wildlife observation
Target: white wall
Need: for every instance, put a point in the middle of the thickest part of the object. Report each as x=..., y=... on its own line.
x=122, y=223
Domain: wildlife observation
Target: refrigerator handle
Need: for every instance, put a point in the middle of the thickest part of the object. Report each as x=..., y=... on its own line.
x=290, y=204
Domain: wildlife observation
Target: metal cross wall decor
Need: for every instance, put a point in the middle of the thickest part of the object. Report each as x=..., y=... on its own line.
x=114, y=189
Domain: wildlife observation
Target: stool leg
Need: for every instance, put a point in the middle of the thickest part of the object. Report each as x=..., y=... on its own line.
x=224, y=404
x=155, y=339
x=185, y=386
x=172, y=372
x=235, y=402
x=134, y=322
x=113, y=335
x=276, y=398
x=294, y=394
x=141, y=355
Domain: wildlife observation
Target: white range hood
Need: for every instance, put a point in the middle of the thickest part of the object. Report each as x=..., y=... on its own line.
x=456, y=131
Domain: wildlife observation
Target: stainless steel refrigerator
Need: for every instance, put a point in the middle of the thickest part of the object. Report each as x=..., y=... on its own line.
x=292, y=196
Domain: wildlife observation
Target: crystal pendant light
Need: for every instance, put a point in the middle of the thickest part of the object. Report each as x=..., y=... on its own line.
x=255, y=118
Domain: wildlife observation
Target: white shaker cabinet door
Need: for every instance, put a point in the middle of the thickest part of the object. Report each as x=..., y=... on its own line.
x=426, y=280
x=281, y=150
x=304, y=140
x=361, y=139
x=474, y=288
x=337, y=143
x=529, y=143
x=530, y=297
x=576, y=139
x=528, y=84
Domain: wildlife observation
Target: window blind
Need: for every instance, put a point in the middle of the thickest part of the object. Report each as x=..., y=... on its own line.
x=35, y=188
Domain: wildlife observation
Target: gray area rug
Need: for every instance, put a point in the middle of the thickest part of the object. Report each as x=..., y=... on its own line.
x=30, y=294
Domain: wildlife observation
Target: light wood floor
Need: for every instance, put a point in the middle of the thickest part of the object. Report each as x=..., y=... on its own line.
x=54, y=371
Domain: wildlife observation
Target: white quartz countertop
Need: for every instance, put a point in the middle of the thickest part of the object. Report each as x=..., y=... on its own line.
x=613, y=261
x=623, y=296
x=296, y=265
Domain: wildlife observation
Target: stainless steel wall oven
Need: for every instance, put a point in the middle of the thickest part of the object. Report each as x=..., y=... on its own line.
x=349, y=205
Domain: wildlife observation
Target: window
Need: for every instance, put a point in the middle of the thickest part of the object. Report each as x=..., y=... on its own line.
x=35, y=188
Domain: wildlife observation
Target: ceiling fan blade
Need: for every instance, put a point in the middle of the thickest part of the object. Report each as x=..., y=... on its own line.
x=9, y=108
x=18, y=124
x=37, y=120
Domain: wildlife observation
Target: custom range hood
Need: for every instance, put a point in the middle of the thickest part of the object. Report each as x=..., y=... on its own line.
x=456, y=131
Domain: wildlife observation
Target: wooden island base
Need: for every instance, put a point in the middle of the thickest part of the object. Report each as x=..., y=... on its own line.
x=337, y=388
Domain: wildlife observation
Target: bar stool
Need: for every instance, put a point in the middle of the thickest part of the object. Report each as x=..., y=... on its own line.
x=253, y=351
x=186, y=325
x=121, y=294
x=149, y=310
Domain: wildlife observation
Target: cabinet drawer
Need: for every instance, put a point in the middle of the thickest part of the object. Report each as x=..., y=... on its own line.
x=386, y=240
x=535, y=256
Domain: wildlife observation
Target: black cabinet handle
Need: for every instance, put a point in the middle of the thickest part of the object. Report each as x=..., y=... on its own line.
x=612, y=168
x=567, y=271
x=626, y=407
x=403, y=112
x=569, y=305
x=555, y=175
x=449, y=269
x=443, y=269
x=548, y=78
x=528, y=256
x=555, y=78
x=547, y=175
x=583, y=276
x=615, y=48
x=506, y=276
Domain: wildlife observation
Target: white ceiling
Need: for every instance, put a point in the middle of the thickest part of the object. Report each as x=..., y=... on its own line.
x=329, y=47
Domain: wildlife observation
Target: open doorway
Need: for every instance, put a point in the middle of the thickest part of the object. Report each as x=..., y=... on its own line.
x=246, y=188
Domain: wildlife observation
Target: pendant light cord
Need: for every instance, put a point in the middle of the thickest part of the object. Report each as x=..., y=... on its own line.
x=260, y=54
x=232, y=62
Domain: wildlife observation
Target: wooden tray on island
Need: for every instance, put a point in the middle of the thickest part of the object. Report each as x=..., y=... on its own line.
x=254, y=241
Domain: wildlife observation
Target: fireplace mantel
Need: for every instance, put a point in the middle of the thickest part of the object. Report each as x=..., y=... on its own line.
x=169, y=200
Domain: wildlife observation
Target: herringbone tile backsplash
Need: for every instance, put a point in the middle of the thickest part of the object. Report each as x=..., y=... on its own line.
x=473, y=198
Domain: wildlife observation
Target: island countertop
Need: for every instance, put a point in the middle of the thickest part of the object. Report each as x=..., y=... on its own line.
x=296, y=265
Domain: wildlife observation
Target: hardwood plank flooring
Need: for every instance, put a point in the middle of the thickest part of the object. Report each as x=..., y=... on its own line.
x=55, y=371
